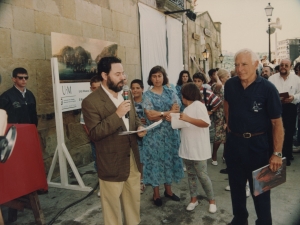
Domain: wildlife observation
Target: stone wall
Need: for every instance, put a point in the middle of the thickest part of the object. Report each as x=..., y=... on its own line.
x=25, y=41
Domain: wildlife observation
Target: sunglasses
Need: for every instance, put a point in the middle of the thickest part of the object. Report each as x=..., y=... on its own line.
x=21, y=78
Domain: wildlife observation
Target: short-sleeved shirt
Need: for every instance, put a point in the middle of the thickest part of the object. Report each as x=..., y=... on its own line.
x=212, y=100
x=195, y=143
x=251, y=109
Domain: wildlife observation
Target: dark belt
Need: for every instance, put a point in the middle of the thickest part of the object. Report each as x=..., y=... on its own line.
x=247, y=135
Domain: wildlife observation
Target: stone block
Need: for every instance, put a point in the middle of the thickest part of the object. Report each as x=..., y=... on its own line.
x=48, y=139
x=88, y=12
x=6, y=16
x=48, y=47
x=5, y=44
x=44, y=82
x=133, y=25
x=23, y=19
x=116, y=5
x=45, y=121
x=138, y=72
x=81, y=155
x=69, y=26
x=132, y=56
x=127, y=40
x=121, y=53
x=130, y=72
x=120, y=21
x=29, y=4
x=104, y=4
x=71, y=117
x=130, y=8
x=92, y=31
x=45, y=108
x=111, y=35
x=76, y=135
x=27, y=45
x=106, y=18
x=46, y=23
x=49, y=6
x=68, y=9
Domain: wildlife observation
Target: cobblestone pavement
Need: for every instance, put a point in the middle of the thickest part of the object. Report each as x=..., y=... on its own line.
x=285, y=202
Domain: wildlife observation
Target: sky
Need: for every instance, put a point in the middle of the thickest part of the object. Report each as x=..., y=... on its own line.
x=244, y=22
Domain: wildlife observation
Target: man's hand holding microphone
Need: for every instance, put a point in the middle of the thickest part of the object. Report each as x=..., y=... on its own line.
x=124, y=108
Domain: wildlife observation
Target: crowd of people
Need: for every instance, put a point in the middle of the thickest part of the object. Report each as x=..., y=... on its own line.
x=251, y=112
x=242, y=111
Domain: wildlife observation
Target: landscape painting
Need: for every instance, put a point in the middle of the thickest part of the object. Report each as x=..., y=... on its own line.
x=78, y=56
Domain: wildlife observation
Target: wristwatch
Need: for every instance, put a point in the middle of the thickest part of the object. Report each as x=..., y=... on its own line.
x=161, y=114
x=279, y=154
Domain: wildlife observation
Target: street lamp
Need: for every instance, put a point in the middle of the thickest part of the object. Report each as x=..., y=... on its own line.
x=269, y=10
x=205, y=54
x=221, y=57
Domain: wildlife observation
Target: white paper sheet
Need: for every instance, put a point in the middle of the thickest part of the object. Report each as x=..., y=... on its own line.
x=146, y=128
x=176, y=123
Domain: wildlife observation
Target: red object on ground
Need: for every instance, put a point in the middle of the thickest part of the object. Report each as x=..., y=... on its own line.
x=24, y=171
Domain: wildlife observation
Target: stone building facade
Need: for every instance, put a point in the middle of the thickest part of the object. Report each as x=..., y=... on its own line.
x=25, y=41
x=203, y=34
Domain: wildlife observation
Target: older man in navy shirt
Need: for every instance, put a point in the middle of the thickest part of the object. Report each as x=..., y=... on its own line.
x=252, y=108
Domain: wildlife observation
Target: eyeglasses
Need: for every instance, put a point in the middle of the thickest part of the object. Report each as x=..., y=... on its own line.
x=21, y=78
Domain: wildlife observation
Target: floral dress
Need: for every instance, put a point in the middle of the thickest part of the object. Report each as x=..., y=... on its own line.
x=162, y=165
x=219, y=117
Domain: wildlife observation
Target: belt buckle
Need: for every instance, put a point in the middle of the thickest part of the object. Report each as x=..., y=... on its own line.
x=247, y=135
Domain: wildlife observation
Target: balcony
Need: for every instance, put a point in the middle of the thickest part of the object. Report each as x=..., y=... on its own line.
x=170, y=5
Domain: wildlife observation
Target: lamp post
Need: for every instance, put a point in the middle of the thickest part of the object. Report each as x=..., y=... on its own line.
x=221, y=57
x=269, y=10
x=205, y=55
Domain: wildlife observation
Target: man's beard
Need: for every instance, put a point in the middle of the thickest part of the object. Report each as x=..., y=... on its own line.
x=114, y=87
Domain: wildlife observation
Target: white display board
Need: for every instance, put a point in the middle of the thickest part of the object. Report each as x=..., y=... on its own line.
x=72, y=94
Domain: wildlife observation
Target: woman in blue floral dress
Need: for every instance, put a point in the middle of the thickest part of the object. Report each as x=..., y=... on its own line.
x=162, y=165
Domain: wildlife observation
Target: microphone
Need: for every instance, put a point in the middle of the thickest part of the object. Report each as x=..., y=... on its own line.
x=125, y=96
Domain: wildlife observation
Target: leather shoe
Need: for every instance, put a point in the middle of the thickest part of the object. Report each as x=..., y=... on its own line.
x=173, y=197
x=224, y=171
x=157, y=202
x=288, y=162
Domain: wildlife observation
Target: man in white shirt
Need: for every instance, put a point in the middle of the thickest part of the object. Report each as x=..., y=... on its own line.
x=285, y=81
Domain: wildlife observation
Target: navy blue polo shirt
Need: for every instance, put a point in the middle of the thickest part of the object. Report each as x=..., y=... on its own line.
x=251, y=109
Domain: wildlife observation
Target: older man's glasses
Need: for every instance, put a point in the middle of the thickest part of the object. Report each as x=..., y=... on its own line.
x=21, y=77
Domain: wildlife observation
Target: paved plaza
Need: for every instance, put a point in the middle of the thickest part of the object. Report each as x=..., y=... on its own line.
x=285, y=202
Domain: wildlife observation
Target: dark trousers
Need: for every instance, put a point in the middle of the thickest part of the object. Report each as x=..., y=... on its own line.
x=289, y=115
x=242, y=157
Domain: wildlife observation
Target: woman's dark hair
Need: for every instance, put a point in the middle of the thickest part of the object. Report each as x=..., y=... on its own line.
x=137, y=81
x=104, y=65
x=157, y=69
x=179, y=82
x=200, y=76
x=191, y=92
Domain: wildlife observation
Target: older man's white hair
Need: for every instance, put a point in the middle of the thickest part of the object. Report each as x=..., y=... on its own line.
x=254, y=56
